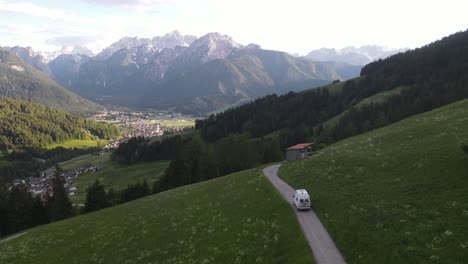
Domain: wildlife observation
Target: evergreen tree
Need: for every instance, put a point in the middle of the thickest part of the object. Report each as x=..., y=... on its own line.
x=39, y=212
x=111, y=197
x=3, y=210
x=96, y=198
x=144, y=189
x=60, y=206
x=19, y=206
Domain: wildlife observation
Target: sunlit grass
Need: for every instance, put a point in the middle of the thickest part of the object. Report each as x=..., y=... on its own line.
x=76, y=143
x=397, y=194
x=239, y=218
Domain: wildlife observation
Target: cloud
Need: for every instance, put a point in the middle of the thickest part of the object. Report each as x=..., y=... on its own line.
x=141, y=5
x=31, y=9
x=71, y=40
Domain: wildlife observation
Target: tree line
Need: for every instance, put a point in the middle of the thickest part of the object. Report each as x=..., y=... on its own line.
x=19, y=210
x=194, y=160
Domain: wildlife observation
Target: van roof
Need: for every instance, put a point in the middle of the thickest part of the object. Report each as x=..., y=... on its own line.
x=302, y=191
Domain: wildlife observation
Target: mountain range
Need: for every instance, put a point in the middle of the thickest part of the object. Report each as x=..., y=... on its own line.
x=353, y=55
x=193, y=75
x=189, y=74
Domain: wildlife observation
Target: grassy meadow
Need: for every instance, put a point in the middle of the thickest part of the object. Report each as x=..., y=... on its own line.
x=397, y=194
x=239, y=218
x=80, y=161
x=111, y=174
x=77, y=143
x=118, y=176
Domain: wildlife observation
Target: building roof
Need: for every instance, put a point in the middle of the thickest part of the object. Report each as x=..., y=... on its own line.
x=300, y=146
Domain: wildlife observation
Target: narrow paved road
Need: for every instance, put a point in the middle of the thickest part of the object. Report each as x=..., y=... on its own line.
x=322, y=245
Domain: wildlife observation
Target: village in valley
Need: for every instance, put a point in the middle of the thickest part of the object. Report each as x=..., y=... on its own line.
x=132, y=124
x=148, y=124
x=42, y=186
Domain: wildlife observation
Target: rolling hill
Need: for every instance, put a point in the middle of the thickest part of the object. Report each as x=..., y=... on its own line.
x=396, y=194
x=235, y=219
x=19, y=80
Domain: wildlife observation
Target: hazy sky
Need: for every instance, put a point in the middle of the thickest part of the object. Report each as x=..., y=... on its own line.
x=292, y=26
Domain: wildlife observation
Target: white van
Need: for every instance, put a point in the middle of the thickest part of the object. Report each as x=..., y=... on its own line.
x=301, y=199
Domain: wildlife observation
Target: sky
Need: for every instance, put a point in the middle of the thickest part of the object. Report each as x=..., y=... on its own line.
x=294, y=26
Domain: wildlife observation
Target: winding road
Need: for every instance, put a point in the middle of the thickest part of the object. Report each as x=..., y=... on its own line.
x=322, y=245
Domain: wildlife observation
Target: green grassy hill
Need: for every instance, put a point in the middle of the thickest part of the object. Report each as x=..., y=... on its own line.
x=397, y=194
x=235, y=219
x=111, y=174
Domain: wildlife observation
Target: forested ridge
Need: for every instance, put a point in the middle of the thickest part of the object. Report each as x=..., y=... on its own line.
x=435, y=75
x=26, y=125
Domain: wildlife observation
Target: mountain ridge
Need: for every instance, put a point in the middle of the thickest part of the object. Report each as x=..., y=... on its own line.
x=353, y=55
x=213, y=69
x=21, y=81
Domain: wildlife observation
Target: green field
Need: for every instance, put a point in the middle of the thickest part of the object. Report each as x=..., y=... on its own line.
x=111, y=174
x=397, y=194
x=76, y=143
x=85, y=159
x=118, y=176
x=176, y=123
x=239, y=218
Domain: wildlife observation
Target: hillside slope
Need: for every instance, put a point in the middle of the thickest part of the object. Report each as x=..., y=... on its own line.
x=397, y=194
x=235, y=219
x=25, y=125
x=19, y=80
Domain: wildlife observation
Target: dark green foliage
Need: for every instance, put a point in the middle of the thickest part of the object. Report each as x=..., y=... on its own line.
x=139, y=149
x=19, y=207
x=133, y=192
x=25, y=125
x=19, y=210
x=433, y=75
x=96, y=197
x=29, y=84
x=60, y=206
x=464, y=147
x=111, y=197
x=194, y=160
x=236, y=153
x=39, y=212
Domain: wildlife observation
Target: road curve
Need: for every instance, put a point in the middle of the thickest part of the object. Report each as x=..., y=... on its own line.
x=322, y=245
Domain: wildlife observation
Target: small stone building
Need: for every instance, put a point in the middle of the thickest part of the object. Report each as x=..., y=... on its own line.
x=299, y=151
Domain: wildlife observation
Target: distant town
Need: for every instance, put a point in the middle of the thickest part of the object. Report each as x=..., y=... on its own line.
x=146, y=124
